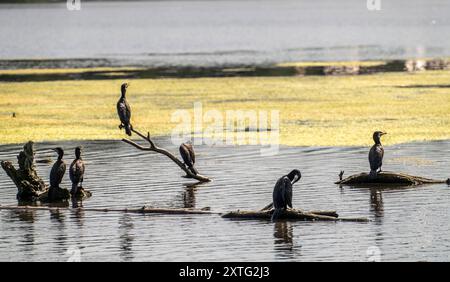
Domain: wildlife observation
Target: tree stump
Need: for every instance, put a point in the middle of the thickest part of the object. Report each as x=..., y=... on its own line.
x=29, y=185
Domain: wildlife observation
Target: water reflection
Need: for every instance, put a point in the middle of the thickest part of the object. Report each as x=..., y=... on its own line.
x=376, y=202
x=126, y=237
x=283, y=239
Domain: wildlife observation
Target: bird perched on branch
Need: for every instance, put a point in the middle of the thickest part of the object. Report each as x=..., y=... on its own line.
x=76, y=171
x=282, y=192
x=376, y=154
x=124, y=110
x=188, y=155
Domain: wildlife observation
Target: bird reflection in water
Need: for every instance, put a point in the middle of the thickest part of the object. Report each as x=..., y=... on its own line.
x=189, y=201
x=376, y=202
x=284, y=243
x=126, y=227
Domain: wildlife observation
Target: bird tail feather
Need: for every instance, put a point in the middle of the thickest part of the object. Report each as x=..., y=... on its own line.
x=373, y=174
x=128, y=129
x=74, y=189
x=193, y=170
x=277, y=214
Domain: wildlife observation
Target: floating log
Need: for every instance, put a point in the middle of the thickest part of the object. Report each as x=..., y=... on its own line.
x=389, y=178
x=144, y=210
x=292, y=214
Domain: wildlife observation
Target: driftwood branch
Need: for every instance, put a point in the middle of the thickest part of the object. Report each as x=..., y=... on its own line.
x=292, y=214
x=144, y=210
x=388, y=178
x=152, y=147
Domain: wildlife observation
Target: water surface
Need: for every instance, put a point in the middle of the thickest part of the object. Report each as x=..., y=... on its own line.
x=225, y=32
x=406, y=224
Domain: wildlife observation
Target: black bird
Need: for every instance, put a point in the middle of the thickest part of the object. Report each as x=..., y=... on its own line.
x=188, y=155
x=58, y=169
x=376, y=154
x=57, y=173
x=76, y=171
x=282, y=192
x=124, y=110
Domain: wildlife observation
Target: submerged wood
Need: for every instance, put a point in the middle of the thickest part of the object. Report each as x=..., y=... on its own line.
x=144, y=210
x=152, y=147
x=292, y=214
x=389, y=178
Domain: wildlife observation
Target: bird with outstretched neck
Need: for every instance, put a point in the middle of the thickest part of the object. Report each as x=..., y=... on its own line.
x=124, y=110
x=57, y=172
x=282, y=192
x=376, y=154
x=76, y=172
x=188, y=155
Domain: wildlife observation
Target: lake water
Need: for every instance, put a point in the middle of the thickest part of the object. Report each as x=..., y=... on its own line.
x=225, y=32
x=409, y=224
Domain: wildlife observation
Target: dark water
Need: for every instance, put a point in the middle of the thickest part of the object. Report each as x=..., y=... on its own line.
x=406, y=224
x=225, y=32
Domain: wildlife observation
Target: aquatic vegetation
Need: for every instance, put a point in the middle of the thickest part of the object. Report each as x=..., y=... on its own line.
x=314, y=110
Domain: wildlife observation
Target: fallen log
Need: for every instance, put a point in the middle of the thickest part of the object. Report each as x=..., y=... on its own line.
x=143, y=210
x=291, y=214
x=389, y=178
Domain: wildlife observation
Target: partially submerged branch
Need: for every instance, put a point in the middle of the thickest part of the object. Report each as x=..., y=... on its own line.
x=152, y=147
x=292, y=214
x=388, y=178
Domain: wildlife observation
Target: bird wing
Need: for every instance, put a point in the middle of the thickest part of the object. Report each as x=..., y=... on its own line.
x=288, y=192
x=76, y=171
x=123, y=111
x=376, y=154
x=61, y=171
x=184, y=152
x=282, y=193
x=190, y=148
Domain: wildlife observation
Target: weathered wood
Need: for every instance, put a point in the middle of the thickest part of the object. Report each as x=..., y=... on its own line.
x=389, y=178
x=144, y=210
x=291, y=214
x=152, y=147
x=30, y=187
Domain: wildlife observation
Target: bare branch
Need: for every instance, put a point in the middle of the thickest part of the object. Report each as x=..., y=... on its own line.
x=154, y=148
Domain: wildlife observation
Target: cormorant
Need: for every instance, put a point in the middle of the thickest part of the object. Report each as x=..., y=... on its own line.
x=124, y=110
x=76, y=171
x=58, y=169
x=282, y=192
x=188, y=155
x=56, y=174
x=376, y=154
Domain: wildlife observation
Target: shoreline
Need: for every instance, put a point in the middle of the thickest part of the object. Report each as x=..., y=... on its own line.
x=88, y=69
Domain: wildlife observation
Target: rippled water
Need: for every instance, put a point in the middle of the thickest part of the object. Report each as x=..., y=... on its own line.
x=226, y=31
x=406, y=224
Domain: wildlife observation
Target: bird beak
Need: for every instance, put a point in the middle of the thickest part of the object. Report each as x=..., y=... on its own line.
x=383, y=133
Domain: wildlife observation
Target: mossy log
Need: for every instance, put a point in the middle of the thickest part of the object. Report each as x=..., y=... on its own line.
x=291, y=214
x=388, y=178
